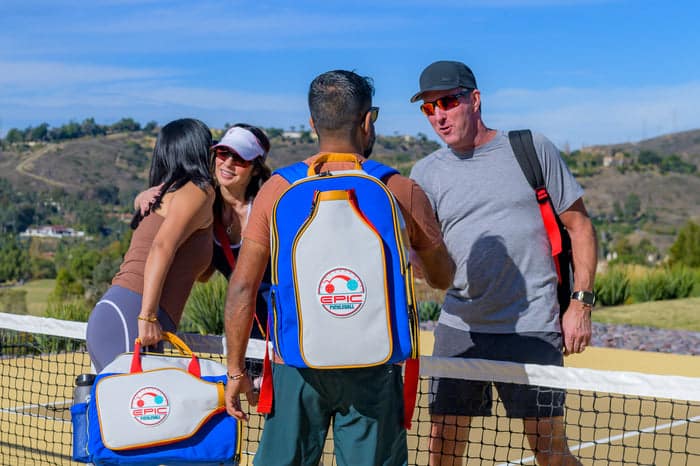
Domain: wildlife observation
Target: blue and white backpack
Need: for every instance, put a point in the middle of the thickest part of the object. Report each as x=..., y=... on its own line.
x=342, y=285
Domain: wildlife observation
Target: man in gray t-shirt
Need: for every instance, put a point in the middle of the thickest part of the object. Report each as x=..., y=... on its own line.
x=503, y=302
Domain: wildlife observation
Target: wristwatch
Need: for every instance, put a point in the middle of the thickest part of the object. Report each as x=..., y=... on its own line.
x=586, y=297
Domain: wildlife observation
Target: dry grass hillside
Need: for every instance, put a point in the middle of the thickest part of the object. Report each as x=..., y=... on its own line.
x=80, y=164
x=685, y=144
x=667, y=200
x=122, y=159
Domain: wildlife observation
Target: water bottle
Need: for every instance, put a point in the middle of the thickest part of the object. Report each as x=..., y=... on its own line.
x=83, y=385
x=81, y=395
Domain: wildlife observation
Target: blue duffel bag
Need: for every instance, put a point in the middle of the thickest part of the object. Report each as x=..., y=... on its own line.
x=151, y=409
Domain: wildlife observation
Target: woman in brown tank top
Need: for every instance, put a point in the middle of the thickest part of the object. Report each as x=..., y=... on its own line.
x=240, y=169
x=171, y=246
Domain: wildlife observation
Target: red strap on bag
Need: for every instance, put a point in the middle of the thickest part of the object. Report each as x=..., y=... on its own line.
x=266, y=390
x=225, y=243
x=550, y=225
x=226, y=246
x=410, y=390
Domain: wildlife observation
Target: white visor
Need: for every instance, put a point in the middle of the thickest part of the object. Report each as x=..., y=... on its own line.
x=242, y=142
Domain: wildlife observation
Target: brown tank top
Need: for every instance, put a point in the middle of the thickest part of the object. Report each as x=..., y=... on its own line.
x=191, y=259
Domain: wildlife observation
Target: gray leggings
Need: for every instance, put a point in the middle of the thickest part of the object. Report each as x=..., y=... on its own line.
x=112, y=327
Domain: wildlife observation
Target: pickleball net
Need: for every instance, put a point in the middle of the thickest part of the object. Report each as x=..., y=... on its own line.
x=620, y=418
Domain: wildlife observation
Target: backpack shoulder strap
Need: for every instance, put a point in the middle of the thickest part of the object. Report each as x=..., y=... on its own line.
x=293, y=172
x=524, y=149
x=378, y=170
x=298, y=170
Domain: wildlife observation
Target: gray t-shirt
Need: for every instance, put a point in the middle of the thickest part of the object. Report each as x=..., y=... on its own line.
x=505, y=281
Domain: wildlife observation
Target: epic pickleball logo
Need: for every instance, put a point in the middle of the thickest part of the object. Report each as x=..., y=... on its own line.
x=341, y=292
x=149, y=406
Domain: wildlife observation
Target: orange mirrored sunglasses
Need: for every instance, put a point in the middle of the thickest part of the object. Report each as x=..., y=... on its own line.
x=222, y=155
x=444, y=103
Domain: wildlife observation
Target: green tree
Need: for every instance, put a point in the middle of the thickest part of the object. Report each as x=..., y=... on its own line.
x=106, y=194
x=686, y=249
x=70, y=130
x=40, y=133
x=67, y=287
x=648, y=157
x=151, y=127
x=83, y=261
x=14, y=136
x=91, y=217
x=274, y=132
x=618, y=213
x=632, y=207
x=42, y=268
x=125, y=124
x=89, y=128
x=14, y=259
x=674, y=163
x=631, y=253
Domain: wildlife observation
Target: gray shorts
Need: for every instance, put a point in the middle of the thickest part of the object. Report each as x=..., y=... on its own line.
x=112, y=327
x=474, y=398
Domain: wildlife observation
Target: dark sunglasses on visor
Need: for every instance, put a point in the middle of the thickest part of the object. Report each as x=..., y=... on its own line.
x=445, y=103
x=223, y=155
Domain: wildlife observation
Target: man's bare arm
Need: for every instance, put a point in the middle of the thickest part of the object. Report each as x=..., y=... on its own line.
x=576, y=322
x=437, y=267
x=238, y=318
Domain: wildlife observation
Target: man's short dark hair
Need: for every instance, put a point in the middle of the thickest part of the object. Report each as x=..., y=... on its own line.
x=338, y=100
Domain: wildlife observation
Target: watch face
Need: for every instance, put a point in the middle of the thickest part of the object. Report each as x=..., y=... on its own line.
x=585, y=297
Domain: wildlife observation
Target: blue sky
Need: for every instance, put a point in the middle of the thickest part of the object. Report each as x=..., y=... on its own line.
x=580, y=71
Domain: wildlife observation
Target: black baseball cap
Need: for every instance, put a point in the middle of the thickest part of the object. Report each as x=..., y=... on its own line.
x=443, y=75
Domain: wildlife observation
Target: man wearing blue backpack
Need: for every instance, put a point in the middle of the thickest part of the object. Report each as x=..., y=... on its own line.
x=342, y=311
x=504, y=302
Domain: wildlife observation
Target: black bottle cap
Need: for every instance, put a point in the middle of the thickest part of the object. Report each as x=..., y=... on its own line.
x=85, y=379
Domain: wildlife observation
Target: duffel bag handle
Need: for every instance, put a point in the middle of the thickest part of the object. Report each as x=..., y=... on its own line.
x=316, y=164
x=193, y=367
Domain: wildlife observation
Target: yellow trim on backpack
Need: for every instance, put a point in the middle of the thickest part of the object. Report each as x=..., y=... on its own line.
x=333, y=157
x=339, y=195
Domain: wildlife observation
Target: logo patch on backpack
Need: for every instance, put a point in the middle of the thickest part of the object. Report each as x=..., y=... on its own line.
x=149, y=406
x=341, y=292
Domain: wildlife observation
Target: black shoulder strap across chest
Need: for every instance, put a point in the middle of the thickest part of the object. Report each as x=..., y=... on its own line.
x=524, y=149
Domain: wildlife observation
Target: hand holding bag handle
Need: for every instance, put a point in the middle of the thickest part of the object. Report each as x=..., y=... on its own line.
x=193, y=368
x=316, y=164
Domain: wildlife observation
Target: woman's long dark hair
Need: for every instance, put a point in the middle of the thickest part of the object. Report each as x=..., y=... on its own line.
x=181, y=155
x=262, y=170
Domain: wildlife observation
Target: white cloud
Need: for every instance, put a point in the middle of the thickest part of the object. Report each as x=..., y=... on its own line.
x=112, y=93
x=29, y=75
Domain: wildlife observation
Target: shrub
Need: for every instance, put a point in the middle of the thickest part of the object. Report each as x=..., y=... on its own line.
x=613, y=287
x=686, y=249
x=204, y=311
x=668, y=283
x=428, y=310
x=651, y=287
x=76, y=309
x=13, y=301
x=696, y=287
x=681, y=281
